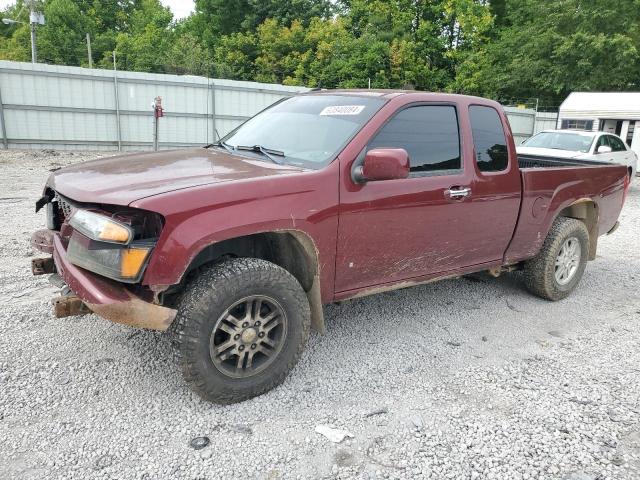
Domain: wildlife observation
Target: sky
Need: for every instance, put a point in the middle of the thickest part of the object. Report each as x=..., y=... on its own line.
x=180, y=8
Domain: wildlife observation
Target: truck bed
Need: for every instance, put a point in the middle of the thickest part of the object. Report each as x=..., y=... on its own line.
x=536, y=161
x=550, y=184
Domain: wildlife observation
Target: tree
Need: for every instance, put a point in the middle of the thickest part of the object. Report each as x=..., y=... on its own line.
x=428, y=40
x=235, y=56
x=144, y=47
x=61, y=39
x=285, y=12
x=109, y=15
x=280, y=50
x=187, y=55
x=107, y=18
x=214, y=19
x=499, y=11
x=15, y=42
x=548, y=49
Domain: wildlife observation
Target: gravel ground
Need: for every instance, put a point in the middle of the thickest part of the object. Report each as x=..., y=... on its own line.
x=469, y=378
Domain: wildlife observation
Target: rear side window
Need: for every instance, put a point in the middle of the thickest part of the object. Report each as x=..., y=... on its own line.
x=616, y=144
x=428, y=133
x=489, y=139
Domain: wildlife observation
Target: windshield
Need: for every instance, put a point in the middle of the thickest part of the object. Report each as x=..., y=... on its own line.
x=574, y=142
x=310, y=130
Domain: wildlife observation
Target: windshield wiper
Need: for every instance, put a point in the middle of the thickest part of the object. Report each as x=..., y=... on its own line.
x=222, y=144
x=267, y=152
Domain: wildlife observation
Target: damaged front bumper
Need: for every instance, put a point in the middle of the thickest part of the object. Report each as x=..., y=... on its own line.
x=107, y=298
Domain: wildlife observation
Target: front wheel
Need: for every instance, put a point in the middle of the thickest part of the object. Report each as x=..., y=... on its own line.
x=557, y=269
x=241, y=327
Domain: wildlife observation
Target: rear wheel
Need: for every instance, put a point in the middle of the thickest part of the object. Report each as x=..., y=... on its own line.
x=241, y=327
x=557, y=269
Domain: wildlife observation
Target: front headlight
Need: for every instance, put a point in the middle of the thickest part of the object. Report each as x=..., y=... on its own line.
x=109, y=247
x=122, y=263
x=101, y=228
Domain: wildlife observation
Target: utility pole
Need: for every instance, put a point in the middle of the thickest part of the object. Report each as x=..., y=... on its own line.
x=117, y=99
x=34, y=51
x=89, y=50
x=35, y=18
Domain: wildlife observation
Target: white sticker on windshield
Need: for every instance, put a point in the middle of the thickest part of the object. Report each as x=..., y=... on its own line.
x=342, y=110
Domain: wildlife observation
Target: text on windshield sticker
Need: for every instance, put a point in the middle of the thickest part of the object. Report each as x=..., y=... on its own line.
x=342, y=110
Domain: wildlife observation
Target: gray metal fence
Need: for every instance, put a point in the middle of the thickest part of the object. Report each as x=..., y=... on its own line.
x=48, y=106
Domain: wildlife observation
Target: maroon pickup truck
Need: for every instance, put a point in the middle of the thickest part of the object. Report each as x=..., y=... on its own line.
x=322, y=197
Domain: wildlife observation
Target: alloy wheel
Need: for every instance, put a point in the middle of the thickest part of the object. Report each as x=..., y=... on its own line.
x=248, y=336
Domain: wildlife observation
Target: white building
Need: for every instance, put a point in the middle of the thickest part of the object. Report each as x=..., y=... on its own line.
x=613, y=112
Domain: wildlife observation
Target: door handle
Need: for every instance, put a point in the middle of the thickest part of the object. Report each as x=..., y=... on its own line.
x=458, y=192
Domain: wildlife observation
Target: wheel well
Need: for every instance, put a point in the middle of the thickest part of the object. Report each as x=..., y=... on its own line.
x=292, y=250
x=587, y=212
x=281, y=248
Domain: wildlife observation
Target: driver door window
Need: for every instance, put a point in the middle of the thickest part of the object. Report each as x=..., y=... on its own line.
x=430, y=136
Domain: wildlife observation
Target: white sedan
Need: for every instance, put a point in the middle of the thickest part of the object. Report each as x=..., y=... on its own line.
x=596, y=146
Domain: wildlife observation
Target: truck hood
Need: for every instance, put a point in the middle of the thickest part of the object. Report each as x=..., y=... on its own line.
x=549, y=152
x=122, y=179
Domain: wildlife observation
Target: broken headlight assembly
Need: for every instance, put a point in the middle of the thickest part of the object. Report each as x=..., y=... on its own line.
x=116, y=245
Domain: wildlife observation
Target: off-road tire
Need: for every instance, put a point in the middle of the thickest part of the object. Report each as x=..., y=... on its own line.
x=539, y=272
x=205, y=299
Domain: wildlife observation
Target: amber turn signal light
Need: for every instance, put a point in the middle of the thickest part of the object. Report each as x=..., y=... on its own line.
x=113, y=232
x=132, y=261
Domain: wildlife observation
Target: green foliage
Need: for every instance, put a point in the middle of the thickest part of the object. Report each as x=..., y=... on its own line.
x=186, y=55
x=14, y=39
x=61, y=40
x=495, y=48
x=145, y=45
x=236, y=55
x=215, y=19
x=548, y=49
x=390, y=44
x=498, y=9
